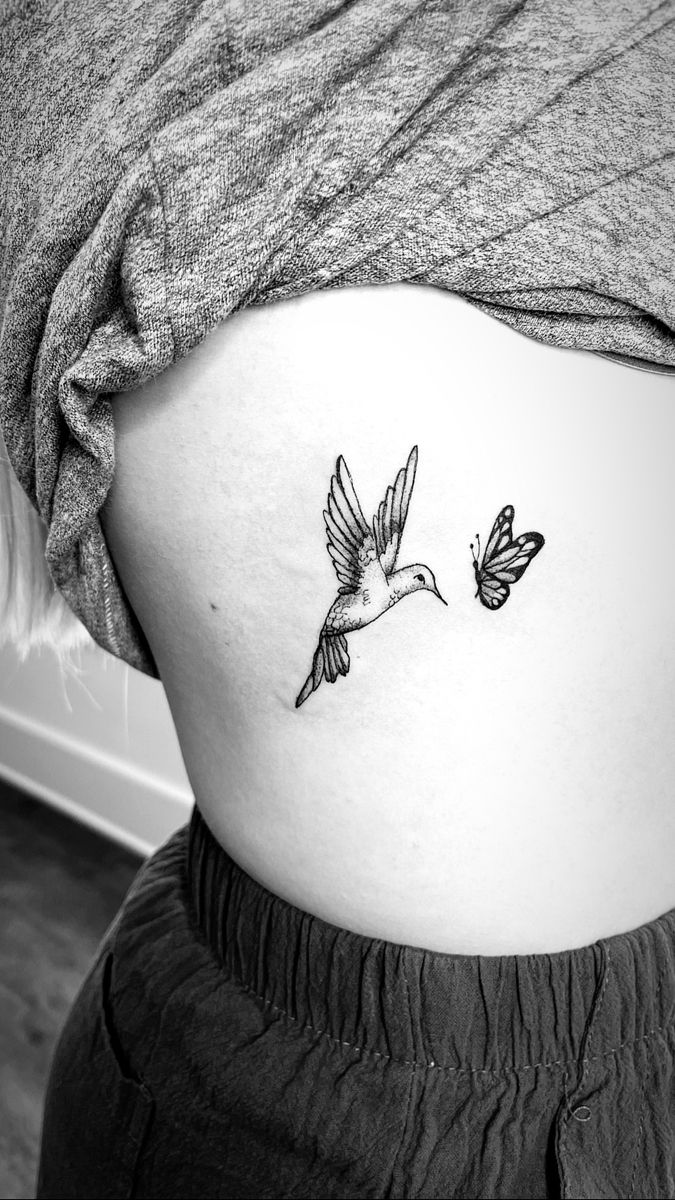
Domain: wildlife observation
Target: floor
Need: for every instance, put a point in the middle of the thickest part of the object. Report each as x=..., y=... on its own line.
x=60, y=887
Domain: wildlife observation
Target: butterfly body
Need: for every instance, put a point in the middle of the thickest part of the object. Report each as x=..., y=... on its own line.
x=504, y=561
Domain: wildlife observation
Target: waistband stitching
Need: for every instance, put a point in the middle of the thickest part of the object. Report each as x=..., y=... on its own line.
x=433, y=1066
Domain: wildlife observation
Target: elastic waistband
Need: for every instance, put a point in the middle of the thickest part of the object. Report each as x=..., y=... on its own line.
x=473, y=1013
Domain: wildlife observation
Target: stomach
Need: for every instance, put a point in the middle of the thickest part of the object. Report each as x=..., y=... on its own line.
x=481, y=780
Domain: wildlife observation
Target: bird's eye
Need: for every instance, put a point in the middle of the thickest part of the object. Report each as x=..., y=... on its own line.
x=420, y=577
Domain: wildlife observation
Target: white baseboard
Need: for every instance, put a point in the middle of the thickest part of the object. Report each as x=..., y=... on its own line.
x=113, y=796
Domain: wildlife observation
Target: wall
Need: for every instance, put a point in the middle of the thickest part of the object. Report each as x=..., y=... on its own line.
x=101, y=746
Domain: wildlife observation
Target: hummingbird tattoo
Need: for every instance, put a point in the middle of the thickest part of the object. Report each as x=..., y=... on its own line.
x=365, y=563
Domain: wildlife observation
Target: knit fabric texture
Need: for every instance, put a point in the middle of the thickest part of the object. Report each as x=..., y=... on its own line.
x=166, y=163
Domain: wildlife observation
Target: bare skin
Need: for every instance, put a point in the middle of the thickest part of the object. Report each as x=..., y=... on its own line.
x=480, y=782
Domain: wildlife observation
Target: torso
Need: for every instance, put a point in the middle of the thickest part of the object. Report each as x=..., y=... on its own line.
x=479, y=782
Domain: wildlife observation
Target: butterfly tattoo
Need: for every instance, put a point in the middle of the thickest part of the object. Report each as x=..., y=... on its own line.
x=505, y=559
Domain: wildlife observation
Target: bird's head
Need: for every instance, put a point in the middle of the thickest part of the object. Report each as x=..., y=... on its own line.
x=420, y=578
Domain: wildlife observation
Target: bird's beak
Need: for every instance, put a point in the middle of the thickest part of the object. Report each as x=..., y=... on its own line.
x=437, y=593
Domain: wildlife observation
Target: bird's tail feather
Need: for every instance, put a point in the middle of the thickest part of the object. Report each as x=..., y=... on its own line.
x=330, y=660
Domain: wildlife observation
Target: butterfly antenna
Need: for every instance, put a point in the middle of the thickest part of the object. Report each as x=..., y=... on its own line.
x=475, y=562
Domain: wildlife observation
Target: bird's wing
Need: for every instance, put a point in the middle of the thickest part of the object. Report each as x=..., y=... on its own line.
x=350, y=544
x=389, y=521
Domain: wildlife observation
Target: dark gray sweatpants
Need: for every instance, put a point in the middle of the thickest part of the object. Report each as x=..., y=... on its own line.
x=227, y=1044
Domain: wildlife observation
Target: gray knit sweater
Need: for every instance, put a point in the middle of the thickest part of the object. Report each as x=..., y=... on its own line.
x=163, y=163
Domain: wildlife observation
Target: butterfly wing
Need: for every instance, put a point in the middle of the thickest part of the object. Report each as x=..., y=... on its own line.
x=501, y=535
x=491, y=592
x=505, y=559
x=508, y=564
